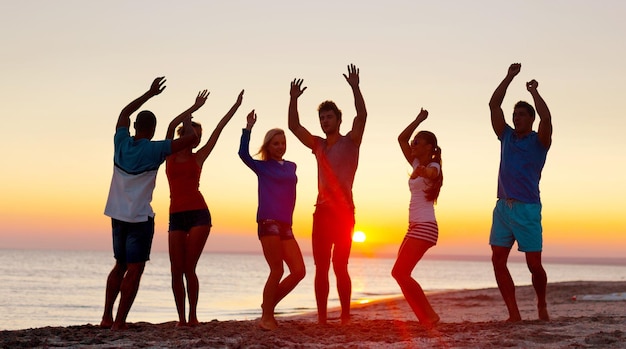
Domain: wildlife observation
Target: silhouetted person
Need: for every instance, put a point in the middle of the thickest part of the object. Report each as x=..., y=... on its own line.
x=277, y=199
x=190, y=219
x=137, y=160
x=425, y=182
x=333, y=221
x=517, y=215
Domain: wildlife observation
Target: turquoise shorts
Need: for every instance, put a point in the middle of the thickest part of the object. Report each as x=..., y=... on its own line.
x=517, y=221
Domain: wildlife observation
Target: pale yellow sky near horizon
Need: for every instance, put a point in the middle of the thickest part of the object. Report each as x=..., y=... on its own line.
x=69, y=67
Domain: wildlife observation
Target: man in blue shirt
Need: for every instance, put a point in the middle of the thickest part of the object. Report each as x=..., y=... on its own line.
x=136, y=162
x=517, y=215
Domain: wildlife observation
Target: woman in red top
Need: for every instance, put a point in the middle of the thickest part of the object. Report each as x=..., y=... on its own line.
x=190, y=219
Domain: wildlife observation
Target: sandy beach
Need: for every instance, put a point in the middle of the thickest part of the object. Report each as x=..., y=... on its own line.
x=470, y=319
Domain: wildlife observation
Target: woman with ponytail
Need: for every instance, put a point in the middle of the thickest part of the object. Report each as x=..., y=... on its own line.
x=424, y=155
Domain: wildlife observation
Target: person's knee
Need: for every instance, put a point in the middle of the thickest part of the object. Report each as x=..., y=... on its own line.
x=535, y=268
x=177, y=270
x=341, y=270
x=499, y=260
x=399, y=274
x=298, y=272
x=277, y=270
x=135, y=270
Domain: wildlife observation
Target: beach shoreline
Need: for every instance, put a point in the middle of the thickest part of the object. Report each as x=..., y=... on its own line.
x=469, y=319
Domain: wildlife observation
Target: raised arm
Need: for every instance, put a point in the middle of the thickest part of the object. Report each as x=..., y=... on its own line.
x=244, y=142
x=358, y=125
x=545, y=118
x=200, y=100
x=156, y=88
x=294, y=118
x=495, y=103
x=404, y=139
x=203, y=153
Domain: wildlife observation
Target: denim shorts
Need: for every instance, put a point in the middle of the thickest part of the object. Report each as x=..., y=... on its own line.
x=188, y=219
x=132, y=241
x=270, y=227
x=517, y=221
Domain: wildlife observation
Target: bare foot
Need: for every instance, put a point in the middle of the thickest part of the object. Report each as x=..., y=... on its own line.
x=106, y=323
x=345, y=320
x=119, y=327
x=543, y=314
x=432, y=322
x=268, y=325
x=193, y=323
x=181, y=324
x=513, y=319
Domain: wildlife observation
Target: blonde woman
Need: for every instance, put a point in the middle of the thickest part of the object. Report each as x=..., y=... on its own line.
x=277, y=198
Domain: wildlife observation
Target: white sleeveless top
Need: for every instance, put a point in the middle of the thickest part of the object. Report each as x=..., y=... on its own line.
x=421, y=210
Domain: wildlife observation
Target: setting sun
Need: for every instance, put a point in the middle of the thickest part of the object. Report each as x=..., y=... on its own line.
x=358, y=236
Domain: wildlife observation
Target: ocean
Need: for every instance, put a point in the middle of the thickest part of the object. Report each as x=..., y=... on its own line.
x=40, y=288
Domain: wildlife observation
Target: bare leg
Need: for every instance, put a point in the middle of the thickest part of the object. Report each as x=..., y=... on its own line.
x=540, y=283
x=321, y=289
x=114, y=282
x=344, y=288
x=195, y=244
x=177, y=241
x=272, y=250
x=499, y=259
x=128, y=291
x=411, y=252
x=293, y=257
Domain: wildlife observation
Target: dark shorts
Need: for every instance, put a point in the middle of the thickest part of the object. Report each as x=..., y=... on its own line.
x=332, y=235
x=132, y=241
x=188, y=219
x=270, y=227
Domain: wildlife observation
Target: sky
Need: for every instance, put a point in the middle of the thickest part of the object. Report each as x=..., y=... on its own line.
x=69, y=67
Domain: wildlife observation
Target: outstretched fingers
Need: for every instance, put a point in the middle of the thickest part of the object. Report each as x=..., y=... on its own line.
x=158, y=85
x=203, y=94
x=296, y=88
x=353, y=75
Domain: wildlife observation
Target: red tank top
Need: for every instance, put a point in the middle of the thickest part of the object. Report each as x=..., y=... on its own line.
x=184, y=180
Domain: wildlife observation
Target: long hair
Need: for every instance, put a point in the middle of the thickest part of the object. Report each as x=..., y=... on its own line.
x=264, y=151
x=432, y=192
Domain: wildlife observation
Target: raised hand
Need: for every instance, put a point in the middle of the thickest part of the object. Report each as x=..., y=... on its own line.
x=157, y=86
x=201, y=98
x=423, y=115
x=296, y=88
x=239, y=98
x=531, y=86
x=353, y=75
x=514, y=69
x=251, y=119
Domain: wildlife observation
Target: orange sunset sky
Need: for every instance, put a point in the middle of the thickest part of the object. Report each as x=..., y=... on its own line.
x=69, y=67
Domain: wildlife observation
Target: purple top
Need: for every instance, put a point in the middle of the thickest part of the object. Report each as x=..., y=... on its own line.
x=277, y=184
